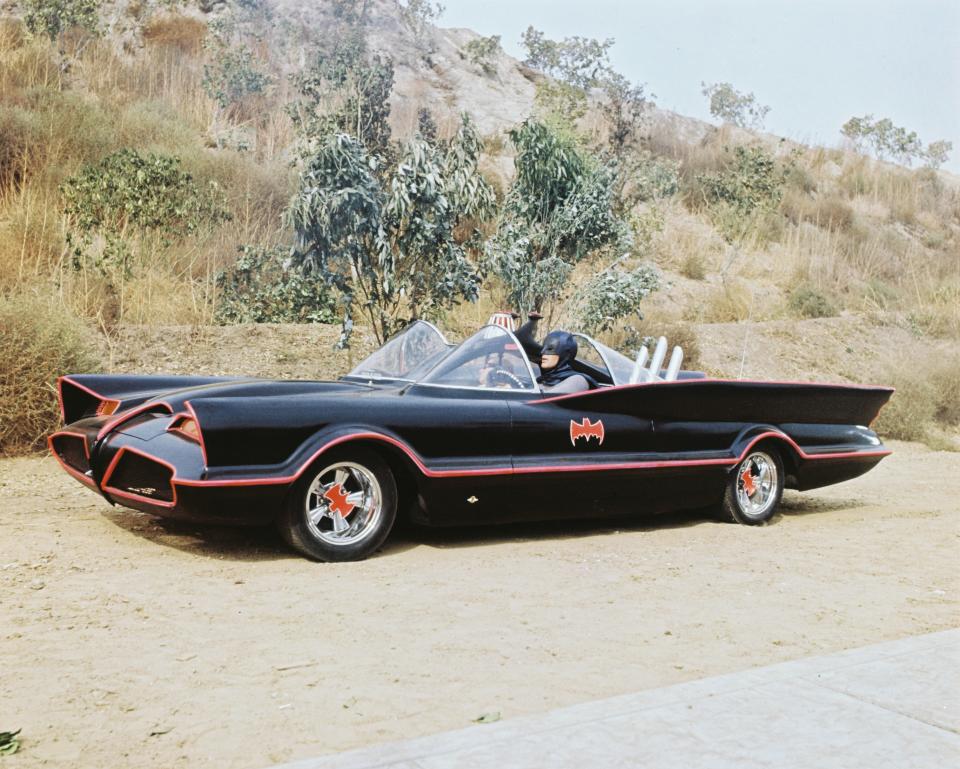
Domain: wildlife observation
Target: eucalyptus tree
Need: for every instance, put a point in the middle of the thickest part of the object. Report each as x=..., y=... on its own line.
x=384, y=234
x=558, y=211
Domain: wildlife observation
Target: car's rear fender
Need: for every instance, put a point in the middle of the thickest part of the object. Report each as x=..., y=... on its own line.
x=804, y=445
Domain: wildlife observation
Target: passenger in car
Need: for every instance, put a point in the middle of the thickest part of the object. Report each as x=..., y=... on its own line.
x=556, y=366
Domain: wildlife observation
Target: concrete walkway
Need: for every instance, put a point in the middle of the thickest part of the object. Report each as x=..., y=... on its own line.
x=893, y=705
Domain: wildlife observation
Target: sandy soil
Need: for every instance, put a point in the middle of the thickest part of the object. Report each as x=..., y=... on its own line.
x=130, y=642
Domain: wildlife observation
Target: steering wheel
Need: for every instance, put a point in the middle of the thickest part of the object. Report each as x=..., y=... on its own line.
x=500, y=377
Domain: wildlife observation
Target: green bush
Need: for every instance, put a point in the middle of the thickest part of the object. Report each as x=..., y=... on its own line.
x=614, y=294
x=654, y=178
x=52, y=17
x=744, y=191
x=483, y=51
x=129, y=194
x=731, y=106
x=262, y=288
x=807, y=302
x=234, y=75
x=38, y=343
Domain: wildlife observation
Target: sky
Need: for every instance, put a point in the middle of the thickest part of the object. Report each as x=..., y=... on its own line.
x=816, y=63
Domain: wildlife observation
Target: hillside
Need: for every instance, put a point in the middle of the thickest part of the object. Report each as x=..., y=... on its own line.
x=854, y=273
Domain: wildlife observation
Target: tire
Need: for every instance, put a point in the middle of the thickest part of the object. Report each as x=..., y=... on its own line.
x=342, y=508
x=754, y=489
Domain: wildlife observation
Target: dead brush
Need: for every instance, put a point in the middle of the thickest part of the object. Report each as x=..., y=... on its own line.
x=926, y=405
x=730, y=302
x=183, y=34
x=39, y=342
x=25, y=62
x=829, y=212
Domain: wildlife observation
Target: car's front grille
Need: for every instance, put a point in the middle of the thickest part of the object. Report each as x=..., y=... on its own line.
x=142, y=476
x=72, y=450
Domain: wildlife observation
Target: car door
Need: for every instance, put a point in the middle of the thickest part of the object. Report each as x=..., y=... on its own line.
x=573, y=457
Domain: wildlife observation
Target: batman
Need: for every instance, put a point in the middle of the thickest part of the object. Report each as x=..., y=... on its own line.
x=556, y=365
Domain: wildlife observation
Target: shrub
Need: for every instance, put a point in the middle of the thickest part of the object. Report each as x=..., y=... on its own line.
x=833, y=213
x=176, y=32
x=130, y=194
x=807, y=302
x=653, y=178
x=234, y=76
x=418, y=16
x=559, y=209
x=750, y=181
x=483, y=51
x=749, y=186
x=646, y=227
x=945, y=380
x=39, y=342
x=262, y=288
x=938, y=153
x=731, y=106
x=385, y=237
x=694, y=266
x=886, y=139
x=344, y=90
x=730, y=303
x=613, y=294
x=53, y=17
x=927, y=400
x=910, y=412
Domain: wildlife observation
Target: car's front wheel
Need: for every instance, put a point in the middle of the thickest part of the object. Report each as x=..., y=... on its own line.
x=342, y=508
x=754, y=488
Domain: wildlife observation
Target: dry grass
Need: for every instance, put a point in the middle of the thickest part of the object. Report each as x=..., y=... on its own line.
x=831, y=212
x=152, y=101
x=694, y=266
x=39, y=343
x=926, y=406
x=183, y=34
x=688, y=244
x=730, y=302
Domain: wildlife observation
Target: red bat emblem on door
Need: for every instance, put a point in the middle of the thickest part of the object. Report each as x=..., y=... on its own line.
x=586, y=430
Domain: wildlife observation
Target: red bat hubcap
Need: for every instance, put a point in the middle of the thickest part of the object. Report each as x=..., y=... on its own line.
x=343, y=503
x=337, y=498
x=749, y=485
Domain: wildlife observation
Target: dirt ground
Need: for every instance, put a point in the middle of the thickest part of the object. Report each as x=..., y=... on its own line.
x=128, y=642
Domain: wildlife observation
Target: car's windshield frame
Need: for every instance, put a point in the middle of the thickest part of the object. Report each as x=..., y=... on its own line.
x=511, y=339
x=371, y=376
x=614, y=372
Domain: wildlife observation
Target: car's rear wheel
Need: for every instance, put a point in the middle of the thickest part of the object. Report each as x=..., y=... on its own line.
x=754, y=489
x=342, y=508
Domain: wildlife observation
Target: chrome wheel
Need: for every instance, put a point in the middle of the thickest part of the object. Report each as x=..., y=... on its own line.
x=343, y=504
x=757, y=486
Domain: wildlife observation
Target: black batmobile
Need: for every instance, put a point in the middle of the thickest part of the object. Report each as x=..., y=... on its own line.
x=454, y=434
